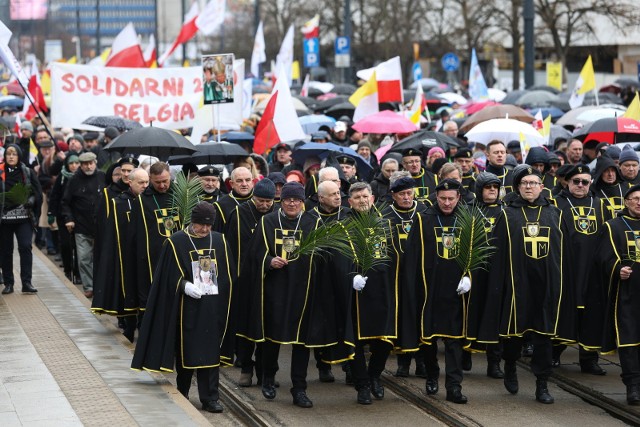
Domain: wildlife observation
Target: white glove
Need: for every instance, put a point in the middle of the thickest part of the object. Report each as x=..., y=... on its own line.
x=359, y=282
x=464, y=286
x=192, y=290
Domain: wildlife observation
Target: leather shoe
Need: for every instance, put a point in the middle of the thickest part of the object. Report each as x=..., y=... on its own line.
x=27, y=288
x=456, y=396
x=246, y=379
x=542, y=393
x=377, y=390
x=494, y=371
x=592, y=368
x=301, y=400
x=326, y=376
x=364, y=396
x=88, y=294
x=212, y=406
x=403, y=371
x=432, y=386
x=268, y=390
x=527, y=350
x=633, y=395
x=8, y=289
x=511, y=378
x=421, y=370
x=467, y=364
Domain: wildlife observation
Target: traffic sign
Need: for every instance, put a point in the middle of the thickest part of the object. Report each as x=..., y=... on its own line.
x=450, y=62
x=417, y=71
x=343, y=45
x=311, y=48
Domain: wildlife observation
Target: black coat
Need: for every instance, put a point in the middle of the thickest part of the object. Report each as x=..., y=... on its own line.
x=80, y=199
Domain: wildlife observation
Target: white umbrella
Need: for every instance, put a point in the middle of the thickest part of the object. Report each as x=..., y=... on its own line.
x=452, y=97
x=590, y=113
x=505, y=130
x=496, y=95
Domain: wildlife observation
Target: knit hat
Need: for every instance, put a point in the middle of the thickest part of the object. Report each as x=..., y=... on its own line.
x=364, y=143
x=292, y=190
x=277, y=178
x=627, y=154
x=203, y=213
x=436, y=150
x=26, y=125
x=613, y=152
x=265, y=189
x=111, y=132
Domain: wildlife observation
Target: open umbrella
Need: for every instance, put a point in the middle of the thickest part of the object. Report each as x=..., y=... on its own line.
x=343, y=89
x=323, y=106
x=312, y=122
x=424, y=140
x=505, y=130
x=237, y=137
x=426, y=83
x=342, y=109
x=611, y=130
x=536, y=98
x=322, y=150
x=499, y=111
x=211, y=153
x=558, y=132
x=590, y=113
x=156, y=142
x=452, y=97
x=11, y=101
x=117, y=122
x=473, y=107
x=311, y=103
x=297, y=104
x=385, y=122
x=513, y=96
x=496, y=95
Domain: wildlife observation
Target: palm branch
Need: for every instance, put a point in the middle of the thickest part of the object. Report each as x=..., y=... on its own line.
x=18, y=195
x=328, y=236
x=185, y=194
x=367, y=234
x=474, y=248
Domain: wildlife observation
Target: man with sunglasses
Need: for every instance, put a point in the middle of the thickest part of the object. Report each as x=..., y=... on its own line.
x=585, y=212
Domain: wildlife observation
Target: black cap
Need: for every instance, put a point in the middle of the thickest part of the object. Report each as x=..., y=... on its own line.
x=277, y=178
x=90, y=136
x=346, y=160
x=45, y=144
x=449, y=184
x=562, y=170
x=111, y=132
x=577, y=170
x=209, y=171
x=524, y=171
x=411, y=152
x=632, y=190
x=283, y=145
x=203, y=213
x=402, y=184
x=514, y=146
x=128, y=158
x=265, y=189
x=463, y=153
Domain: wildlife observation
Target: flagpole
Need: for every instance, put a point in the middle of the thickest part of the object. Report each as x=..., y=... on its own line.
x=218, y=120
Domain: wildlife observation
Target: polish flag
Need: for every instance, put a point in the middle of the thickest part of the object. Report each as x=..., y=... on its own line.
x=389, y=77
x=188, y=30
x=538, y=123
x=126, y=51
x=36, y=95
x=279, y=121
x=304, y=91
x=311, y=28
x=150, y=55
x=16, y=126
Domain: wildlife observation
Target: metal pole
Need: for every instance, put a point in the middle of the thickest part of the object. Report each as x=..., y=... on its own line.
x=78, y=48
x=346, y=73
x=256, y=23
x=184, y=45
x=98, y=43
x=529, y=48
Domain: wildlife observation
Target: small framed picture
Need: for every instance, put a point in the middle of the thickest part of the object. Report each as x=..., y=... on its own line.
x=217, y=78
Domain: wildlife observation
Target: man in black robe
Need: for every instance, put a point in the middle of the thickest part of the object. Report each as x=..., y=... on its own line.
x=608, y=185
x=327, y=173
x=210, y=179
x=425, y=180
x=464, y=157
x=241, y=191
x=496, y=158
x=187, y=320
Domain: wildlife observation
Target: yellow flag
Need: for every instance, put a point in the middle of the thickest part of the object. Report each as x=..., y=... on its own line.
x=295, y=70
x=105, y=54
x=154, y=64
x=554, y=75
x=588, y=77
x=546, y=126
x=45, y=83
x=633, y=112
x=186, y=63
x=72, y=60
x=4, y=91
x=367, y=89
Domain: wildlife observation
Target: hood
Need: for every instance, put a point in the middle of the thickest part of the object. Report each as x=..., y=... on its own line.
x=18, y=149
x=602, y=164
x=483, y=179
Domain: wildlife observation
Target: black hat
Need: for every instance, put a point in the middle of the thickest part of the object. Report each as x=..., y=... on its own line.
x=128, y=158
x=111, y=132
x=265, y=189
x=45, y=144
x=486, y=178
x=203, y=213
x=90, y=136
x=553, y=158
x=520, y=173
x=463, y=153
x=292, y=190
x=402, y=184
x=283, y=146
x=412, y=152
x=562, y=170
x=449, y=184
x=576, y=170
x=346, y=160
x=209, y=171
x=277, y=178
x=632, y=190
x=514, y=146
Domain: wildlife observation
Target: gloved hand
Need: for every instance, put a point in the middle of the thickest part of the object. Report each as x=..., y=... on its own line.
x=51, y=219
x=192, y=290
x=464, y=286
x=359, y=282
x=30, y=202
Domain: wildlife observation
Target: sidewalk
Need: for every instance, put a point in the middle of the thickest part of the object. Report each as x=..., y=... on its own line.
x=61, y=365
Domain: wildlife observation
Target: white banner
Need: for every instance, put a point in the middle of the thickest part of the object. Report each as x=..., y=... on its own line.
x=163, y=97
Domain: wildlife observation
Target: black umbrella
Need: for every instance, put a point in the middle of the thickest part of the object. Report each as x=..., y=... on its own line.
x=553, y=90
x=238, y=137
x=117, y=122
x=156, y=142
x=328, y=103
x=343, y=89
x=211, y=153
x=308, y=101
x=627, y=82
x=425, y=140
x=342, y=109
x=513, y=96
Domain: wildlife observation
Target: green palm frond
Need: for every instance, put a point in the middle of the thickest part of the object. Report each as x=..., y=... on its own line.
x=474, y=247
x=367, y=234
x=328, y=236
x=185, y=196
x=18, y=194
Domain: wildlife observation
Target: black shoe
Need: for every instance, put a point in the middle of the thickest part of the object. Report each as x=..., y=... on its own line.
x=494, y=371
x=77, y=280
x=27, y=288
x=527, y=350
x=52, y=252
x=592, y=367
x=364, y=396
x=269, y=389
x=542, y=392
x=68, y=276
x=467, y=364
x=511, y=378
x=432, y=386
x=421, y=370
x=633, y=395
x=377, y=390
x=456, y=396
x=403, y=371
x=212, y=406
x=326, y=376
x=555, y=362
x=301, y=400
x=8, y=289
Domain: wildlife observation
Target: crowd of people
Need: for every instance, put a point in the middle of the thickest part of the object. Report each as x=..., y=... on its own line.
x=225, y=284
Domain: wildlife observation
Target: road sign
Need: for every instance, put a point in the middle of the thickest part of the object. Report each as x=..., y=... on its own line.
x=417, y=71
x=450, y=62
x=343, y=60
x=343, y=45
x=311, y=48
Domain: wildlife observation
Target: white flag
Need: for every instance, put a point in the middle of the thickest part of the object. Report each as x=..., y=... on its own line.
x=284, y=60
x=259, y=56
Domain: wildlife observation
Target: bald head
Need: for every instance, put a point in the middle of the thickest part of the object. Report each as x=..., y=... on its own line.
x=241, y=181
x=329, y=196
x=138, y=181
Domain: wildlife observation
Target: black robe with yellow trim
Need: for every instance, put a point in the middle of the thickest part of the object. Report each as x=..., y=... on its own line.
x=152, y=222
x=240, y=227
x=613, y=198
x=224, y=206
x=110, y=277
x=402, y=221
x=504, y=175
x=469, y=181
x=529, y=275
x=426, y=183
x=103, y=214
x=431, y=306
x=284, y=305
x=612, y=305
x=200, y=329
x=210, y=197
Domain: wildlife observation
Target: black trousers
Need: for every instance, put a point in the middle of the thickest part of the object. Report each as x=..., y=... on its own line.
x=317, y=354
x=246, y=350
x=362, y=374
x=494, y=353
x=452, y=362
x=24, y=234
x=405, y=358
x=299, y=363
x=583, y=355
x=208, y=381
x=630, y=364
x=542, y=353
x=67, y=249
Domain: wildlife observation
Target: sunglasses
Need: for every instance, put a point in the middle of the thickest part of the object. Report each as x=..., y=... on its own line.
x=492, y=186
x=578, y=181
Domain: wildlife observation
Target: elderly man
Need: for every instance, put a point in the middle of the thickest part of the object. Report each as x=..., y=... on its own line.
x=329, y=203
x=628, y=165
x=608, y=184
x=187, y=319
x=380, y=183
x=210, y=179
x=425, y=180
x=328, y=173
x=79, y=202
x=241, y=191
x=574, y=152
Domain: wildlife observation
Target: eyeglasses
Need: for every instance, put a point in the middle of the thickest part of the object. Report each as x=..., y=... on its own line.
x=528, y=184
x=291, y=201
x=578, y=181
x=411, y=162
x=634, y=199
x=492, y=186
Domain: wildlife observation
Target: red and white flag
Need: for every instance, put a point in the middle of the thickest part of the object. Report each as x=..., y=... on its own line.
x=311, y=28
x=126, y=50
x=538, y=123
x=150, y=54
x=187, y=32
x=304, y=91
x=389, y=77
x=284, y=60
x=279, y=121
x=36, y=95
x=16, y=126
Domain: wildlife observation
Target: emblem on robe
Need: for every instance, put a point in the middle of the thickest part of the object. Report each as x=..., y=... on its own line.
x=421, y=193
x=533, y=229
x=615, y=204
x=536, y=240
x=584, y=219
x=447, y=241
x=379, y=246
x=633, y=245
x=286, y=242
x=168, y=221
